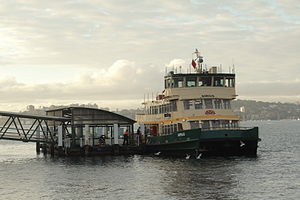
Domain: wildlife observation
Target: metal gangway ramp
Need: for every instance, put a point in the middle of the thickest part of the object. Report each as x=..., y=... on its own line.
x=39, y=128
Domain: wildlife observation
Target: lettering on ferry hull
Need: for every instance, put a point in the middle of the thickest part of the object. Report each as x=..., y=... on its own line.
x=180, y=134
x=208, y=95
x=210, y=112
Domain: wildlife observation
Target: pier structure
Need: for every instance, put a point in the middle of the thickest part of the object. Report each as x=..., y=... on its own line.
x=95, y=131
x=71, y=131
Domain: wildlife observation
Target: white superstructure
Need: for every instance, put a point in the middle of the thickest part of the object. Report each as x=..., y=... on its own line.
x=192, y=100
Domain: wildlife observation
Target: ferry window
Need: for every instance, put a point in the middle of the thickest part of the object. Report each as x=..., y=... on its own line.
x=167, y=108
x=234, y=124
x=171, y=128
x=218, y=104
x=225, y=123
x=215, y=124
x=218, y=81
x=208, y=104
x=226, y=103
x=191, y=81
x=205, y=124
x=168, y=129
x=175, y=127
x=200, y=83
x=194, y=124
x=178, y=82
x=168, y=83
x=173, y=106
x=198, y=104
x=163, y=108
x=180, y=127
x=188, y=104
x=160, y=108
x=206, y=81
x=229, y=82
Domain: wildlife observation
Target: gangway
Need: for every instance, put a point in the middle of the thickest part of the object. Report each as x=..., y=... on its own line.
x=35, y=128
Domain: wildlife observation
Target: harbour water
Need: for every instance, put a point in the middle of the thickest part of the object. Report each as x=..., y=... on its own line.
x=274, y=174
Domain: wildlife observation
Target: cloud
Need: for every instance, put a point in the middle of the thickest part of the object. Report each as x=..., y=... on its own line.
x=261, y=38
x=176, y=63
x=122, y=81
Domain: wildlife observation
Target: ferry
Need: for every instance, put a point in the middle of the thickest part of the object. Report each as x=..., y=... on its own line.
x=193, y=115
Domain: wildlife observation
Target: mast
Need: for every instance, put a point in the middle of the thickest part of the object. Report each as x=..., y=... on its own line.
x=199, y=60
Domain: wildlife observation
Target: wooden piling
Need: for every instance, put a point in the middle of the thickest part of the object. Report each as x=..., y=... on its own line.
x=38, y=148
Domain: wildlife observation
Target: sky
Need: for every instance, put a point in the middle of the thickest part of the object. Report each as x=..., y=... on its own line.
x=114, y=52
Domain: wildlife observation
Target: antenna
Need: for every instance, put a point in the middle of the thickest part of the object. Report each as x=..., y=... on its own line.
x=232, y=66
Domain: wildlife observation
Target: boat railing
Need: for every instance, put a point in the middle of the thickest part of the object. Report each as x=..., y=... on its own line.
x=227, y=128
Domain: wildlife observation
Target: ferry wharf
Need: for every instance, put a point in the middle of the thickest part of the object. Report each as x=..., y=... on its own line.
x=72, y=131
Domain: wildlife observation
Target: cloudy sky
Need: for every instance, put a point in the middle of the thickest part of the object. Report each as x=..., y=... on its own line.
x=113, y=52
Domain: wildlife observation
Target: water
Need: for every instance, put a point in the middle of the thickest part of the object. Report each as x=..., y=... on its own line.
x=274, y=174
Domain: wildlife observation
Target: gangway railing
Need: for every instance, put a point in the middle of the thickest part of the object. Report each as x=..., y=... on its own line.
x=40, y=128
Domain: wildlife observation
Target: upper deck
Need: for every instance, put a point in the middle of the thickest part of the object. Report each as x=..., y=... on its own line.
x=180, y=80
x=200, y=85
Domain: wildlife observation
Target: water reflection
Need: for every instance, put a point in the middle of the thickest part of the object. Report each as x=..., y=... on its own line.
x=194, y=179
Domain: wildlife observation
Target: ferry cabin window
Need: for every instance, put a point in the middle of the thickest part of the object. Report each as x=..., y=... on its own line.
x=178, y=82
x=194, y=124
x=180, y=127
x=169, y=129
x=229, y=82
x=215, y=124
x=218, y=104
x=226, y=103
x=163, y=108
x=234, y=124
x=218, y=81
x=225, y=123
x=188, y=104
x=200, y=83
x=168, y=83
x=173, y=106
x=175, y=127
x=191, y=81
x=198, y=104
x=206, y=81
x=205, y=124
x=208, y=103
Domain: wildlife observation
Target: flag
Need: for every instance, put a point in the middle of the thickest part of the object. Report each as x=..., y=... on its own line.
x=194, y=64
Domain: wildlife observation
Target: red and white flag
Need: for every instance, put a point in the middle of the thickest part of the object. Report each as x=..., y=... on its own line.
x=194, y=64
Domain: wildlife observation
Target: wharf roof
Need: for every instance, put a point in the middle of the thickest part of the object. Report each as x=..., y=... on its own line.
x=31, y=116
x=104, y=113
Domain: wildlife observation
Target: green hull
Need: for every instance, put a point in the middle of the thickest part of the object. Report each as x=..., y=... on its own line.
x=209, y=142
